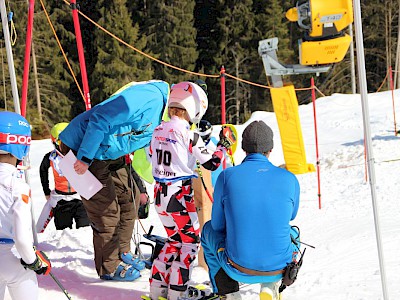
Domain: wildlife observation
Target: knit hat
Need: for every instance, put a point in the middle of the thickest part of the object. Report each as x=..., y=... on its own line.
x=257, y=138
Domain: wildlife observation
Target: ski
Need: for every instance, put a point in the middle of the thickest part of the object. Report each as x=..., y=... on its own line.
x=144, y=297
x=200, y=291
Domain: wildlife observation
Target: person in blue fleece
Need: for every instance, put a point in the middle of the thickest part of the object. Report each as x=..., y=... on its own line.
x=249, y=236
x=100, y=139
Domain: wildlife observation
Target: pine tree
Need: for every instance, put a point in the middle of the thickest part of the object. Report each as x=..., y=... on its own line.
x=270, y=22
x=374, y=30
x=236, y=26
x=53, y=80
x=169, y=27
x=207, y=13
x=117, y=64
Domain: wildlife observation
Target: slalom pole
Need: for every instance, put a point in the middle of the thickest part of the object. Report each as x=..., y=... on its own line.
x=81, y=54
x=27, y=59
x=60, y=286
x=223, y=112
x=368, y=140
x=316, y=141
x=392, y=89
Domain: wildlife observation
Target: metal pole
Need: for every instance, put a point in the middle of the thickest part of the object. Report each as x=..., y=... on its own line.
x=60, y=286
x=28, y=45
x=81, y=54
x=10, y=58
x=352, y=64
x=367, y=133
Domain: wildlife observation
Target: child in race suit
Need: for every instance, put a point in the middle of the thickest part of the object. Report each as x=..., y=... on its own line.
x=64, y=203
x=19, y=260
x=174, y=150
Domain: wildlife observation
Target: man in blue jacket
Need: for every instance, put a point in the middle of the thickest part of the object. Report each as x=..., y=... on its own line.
x=100, y=138
x=248, y=238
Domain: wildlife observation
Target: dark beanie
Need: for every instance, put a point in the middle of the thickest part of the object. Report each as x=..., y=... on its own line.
x=257, y=138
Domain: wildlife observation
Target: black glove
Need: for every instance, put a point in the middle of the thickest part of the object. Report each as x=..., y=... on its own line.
x=143, y=211
x=226, y=137
x=41, y=265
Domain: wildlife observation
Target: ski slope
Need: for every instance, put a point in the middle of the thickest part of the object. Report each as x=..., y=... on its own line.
x=344, y=264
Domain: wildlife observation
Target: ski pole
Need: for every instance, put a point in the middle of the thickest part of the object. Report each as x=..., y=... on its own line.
x=60, y=286
x=305, y=244
x=202, y=181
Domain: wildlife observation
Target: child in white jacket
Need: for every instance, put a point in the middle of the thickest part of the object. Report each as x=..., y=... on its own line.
x=175, y=149
x=17, y=256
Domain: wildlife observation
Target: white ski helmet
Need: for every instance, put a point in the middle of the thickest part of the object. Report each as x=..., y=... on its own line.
x=191, y=97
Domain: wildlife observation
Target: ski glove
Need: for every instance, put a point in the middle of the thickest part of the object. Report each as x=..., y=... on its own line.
x=226, y=137
x=41, y=265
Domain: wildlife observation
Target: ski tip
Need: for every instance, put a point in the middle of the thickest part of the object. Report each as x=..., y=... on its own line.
x=144, y=297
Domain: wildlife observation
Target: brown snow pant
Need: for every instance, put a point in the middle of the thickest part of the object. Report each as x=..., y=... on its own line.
x=112, y=213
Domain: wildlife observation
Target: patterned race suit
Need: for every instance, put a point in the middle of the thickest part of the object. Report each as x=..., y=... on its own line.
x=174, y=150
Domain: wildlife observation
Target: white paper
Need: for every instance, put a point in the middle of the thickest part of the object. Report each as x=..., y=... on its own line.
x=86, y=184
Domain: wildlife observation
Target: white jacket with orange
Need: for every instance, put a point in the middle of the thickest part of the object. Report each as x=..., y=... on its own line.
x=15, y=212
x=16, y=238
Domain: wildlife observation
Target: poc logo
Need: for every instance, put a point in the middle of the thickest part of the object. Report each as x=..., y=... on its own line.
x=18, y=139
x=23, y=123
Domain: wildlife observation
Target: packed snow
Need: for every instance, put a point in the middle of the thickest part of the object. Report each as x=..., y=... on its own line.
x=344, y=264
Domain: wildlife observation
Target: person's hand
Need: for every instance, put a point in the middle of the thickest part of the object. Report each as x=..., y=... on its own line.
x=41, y=265
x=144, y=198
x=47, y=197
x=80, y=167
x=226, y=137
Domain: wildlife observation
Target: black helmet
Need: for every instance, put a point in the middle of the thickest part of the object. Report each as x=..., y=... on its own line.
x=205, y=129
x=202, y=84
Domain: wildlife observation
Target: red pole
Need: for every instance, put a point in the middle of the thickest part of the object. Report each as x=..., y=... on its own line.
x=392, y=88
x=223, y=117
x=316, y=141
x=223, y=112
x=28, y=45
x=81, y=54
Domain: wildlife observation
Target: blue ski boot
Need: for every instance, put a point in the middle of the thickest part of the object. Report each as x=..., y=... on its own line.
x=124, y=272
x=131, y=259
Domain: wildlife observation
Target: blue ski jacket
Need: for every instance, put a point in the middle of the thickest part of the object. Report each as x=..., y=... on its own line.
x=253, y=205
x=119, y=125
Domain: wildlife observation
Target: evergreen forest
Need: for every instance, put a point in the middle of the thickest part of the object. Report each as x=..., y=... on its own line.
x=195, y=35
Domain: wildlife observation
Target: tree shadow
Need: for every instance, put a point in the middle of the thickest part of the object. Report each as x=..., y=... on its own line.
x=375, y=138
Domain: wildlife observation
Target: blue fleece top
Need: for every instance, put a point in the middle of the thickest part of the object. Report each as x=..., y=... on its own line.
x=253, y=205
x=119, y=125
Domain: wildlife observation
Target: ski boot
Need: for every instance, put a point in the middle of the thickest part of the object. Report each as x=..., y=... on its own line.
x=123, y=272
x=199, y=292
x=157, y=293
x=270, y=291
x=133, y=260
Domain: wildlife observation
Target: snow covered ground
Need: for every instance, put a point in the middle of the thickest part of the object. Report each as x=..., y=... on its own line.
x=343, y=266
